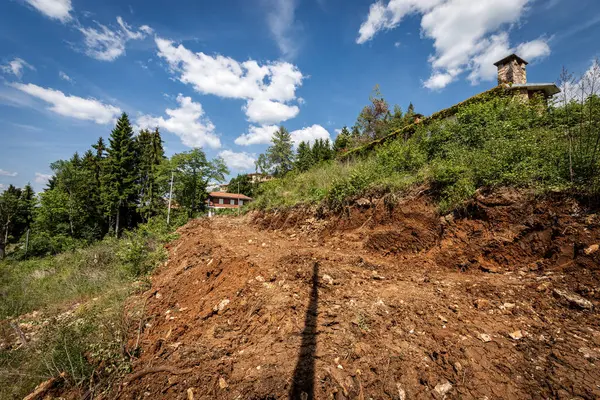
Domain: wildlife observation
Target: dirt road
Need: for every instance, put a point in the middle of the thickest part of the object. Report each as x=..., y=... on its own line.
x=499, y=302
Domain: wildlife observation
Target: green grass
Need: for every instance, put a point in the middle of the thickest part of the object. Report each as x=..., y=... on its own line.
x=500, y=142
x=81, y=322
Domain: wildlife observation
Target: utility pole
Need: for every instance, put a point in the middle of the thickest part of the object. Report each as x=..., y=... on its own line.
x=170, y=197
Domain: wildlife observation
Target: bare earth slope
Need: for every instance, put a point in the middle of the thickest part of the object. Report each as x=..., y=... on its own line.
x=384, y=303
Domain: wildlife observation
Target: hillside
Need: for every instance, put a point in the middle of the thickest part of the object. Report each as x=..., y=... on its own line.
x=498, y=301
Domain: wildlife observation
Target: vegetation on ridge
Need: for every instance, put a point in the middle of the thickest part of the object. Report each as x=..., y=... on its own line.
x=501, y=141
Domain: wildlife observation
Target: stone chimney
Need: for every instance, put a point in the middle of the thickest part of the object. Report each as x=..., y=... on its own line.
x=512, y=70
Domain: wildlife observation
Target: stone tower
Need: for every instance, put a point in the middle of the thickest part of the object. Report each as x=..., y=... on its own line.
x=512, y=70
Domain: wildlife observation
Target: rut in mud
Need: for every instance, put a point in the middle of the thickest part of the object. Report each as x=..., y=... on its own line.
x=385, y=302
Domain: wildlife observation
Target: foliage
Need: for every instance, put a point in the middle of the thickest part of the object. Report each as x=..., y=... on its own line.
x=242, y=184
x=498, y=141
x=279, y=157
x=81, y=321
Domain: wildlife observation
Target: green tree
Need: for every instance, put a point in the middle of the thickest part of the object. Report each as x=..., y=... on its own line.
x=192, y=173
x=304, y=157
x=280, y=156
x=242, y=184
x=119, y=177
x=342, y=141
x=150, y=155
x=9, y=211
x=373, y=119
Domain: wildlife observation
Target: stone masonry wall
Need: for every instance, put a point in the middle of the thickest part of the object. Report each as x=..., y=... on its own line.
x=512, y=72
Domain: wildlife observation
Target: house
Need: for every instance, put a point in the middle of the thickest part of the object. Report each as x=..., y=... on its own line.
x=512, y=75
x=224, y=200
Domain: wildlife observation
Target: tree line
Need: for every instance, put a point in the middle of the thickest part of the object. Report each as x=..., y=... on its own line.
x=376, y=120
x=113, y=187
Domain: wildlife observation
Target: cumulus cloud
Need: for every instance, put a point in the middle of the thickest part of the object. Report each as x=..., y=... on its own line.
x=535, y=49
x=264, y=111
x=268, y=89
x=55, y=9
x=238, y=161
x=16, y=67
x=71, y=106
x=189, y=122
x=106, y=44
x=579, y=88
x=42, y=178
x=7, y=173
x=281, y=22
x=257, y=135
x=309, y=134
x=466, y=35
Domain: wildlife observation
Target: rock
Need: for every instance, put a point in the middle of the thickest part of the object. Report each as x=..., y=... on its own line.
x=573, y=299
x=507, y=306
x=260, y=278
x=516, y=335
x=264, y=245
x=223, y=383
x=249, y=241
x=401, y=392
x=481, y=304
x=221, y=306
x=190, y=394
x=591, y=250
x=158, y=295
x=543, y=287
x=328, y=279
x=443, y=388
x=484, y=337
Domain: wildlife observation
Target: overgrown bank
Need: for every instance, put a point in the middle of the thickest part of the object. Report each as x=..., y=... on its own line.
x=500, y=142
x=66, y=313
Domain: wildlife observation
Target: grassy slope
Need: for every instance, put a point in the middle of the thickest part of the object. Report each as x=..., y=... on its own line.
x=499, y=142
x=71, y=307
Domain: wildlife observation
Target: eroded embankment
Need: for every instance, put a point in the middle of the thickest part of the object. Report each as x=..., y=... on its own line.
x=387, y=301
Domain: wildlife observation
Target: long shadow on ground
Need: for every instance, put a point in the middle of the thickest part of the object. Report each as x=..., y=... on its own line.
x=303, y=385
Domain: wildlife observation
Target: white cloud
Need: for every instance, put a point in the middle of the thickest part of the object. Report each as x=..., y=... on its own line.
x=238, y=161
x=62, y=75
x=580, y=88
x=272, y=85
x=280, y=19
x=71, y=106
x=257, y=135
x=42, y=178
x=55, y=9
x=309, y=134
x=535, y=49
x=16, y=67
x=2, y=186
x=7, y=173
x=467, y=36
x=188, y=122
x=263, y=111
x=106, y=44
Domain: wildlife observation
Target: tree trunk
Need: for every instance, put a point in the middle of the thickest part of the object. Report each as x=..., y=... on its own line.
x=118, y=218
x=2, y=251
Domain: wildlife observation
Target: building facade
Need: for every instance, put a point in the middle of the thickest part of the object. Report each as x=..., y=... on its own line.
x=223, y=200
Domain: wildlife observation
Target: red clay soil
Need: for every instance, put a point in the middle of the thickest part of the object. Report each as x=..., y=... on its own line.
x=389, y=301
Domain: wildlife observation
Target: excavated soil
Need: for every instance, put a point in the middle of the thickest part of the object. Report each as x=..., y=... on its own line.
x=388, y=301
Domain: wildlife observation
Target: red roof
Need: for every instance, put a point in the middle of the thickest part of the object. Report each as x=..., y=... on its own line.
x=225, y=195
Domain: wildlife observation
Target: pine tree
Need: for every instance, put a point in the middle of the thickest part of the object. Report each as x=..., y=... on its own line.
x=304, y=157
x=280, y=155
x=119, y=178
x=150, y=156
x=342, y=141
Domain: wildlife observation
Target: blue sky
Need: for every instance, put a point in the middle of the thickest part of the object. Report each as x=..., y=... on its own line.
x=222, y=75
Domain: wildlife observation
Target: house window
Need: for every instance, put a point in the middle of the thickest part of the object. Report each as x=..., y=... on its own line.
x=220, y=201
x=241, y=203
x=232, y=202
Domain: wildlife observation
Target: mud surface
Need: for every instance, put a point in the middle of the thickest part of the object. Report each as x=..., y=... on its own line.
x=387, y=302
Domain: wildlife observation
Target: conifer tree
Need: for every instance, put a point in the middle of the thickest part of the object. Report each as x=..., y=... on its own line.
x=304, y=157
x=150, y=156
x=342, y=141
x=280, y=155
x=119, y=177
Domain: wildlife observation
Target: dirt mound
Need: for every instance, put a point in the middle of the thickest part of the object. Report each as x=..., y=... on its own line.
x=387, y=301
